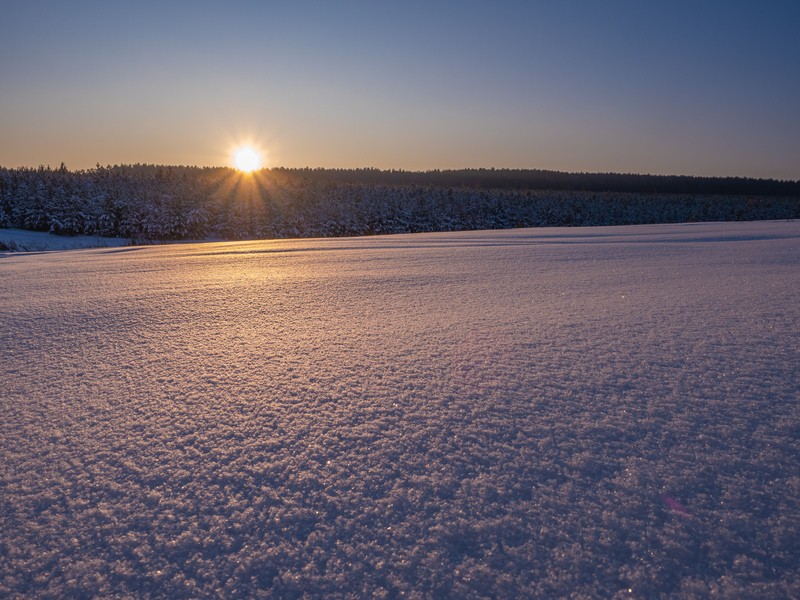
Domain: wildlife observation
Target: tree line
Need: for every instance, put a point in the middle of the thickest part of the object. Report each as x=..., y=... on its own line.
x=537, y=179
x=155, y=203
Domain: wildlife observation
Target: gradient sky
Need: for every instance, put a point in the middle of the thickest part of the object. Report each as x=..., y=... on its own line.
x=681, y=87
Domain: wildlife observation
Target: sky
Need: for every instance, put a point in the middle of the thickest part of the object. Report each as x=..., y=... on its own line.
x=632, y=86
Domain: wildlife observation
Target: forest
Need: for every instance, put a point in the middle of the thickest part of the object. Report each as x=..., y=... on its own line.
x=147, y=203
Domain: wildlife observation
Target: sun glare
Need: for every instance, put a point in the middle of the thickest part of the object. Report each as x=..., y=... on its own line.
x=246, y=159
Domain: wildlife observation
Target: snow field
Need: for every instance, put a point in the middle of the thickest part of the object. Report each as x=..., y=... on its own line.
x=598, y=412
x=20, y=240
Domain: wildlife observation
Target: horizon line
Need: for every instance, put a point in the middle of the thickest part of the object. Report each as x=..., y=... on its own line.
x=98, y=166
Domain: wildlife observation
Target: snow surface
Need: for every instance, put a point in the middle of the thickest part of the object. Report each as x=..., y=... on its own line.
x=595, y=412
x=21, y=240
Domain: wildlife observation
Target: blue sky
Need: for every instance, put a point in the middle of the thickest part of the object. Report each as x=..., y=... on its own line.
x=700, y=88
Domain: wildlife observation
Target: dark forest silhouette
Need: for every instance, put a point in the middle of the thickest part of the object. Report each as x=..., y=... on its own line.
x=152, y=202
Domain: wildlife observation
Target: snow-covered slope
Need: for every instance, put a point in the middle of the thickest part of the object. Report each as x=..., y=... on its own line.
x=604, y=412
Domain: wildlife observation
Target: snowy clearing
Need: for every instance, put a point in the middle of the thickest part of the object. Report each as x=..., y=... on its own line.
x=597, y=412
x=21, y=240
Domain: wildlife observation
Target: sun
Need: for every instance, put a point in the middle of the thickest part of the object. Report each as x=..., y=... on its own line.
x=247, y=159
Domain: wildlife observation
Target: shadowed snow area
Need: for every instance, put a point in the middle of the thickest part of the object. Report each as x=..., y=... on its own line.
x=608, y=412
x=20, y=240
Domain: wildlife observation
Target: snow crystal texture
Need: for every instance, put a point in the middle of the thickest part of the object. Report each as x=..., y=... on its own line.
x=596, y=412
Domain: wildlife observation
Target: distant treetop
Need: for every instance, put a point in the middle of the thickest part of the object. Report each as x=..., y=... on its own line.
x=537, y=179
x=500, y=179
